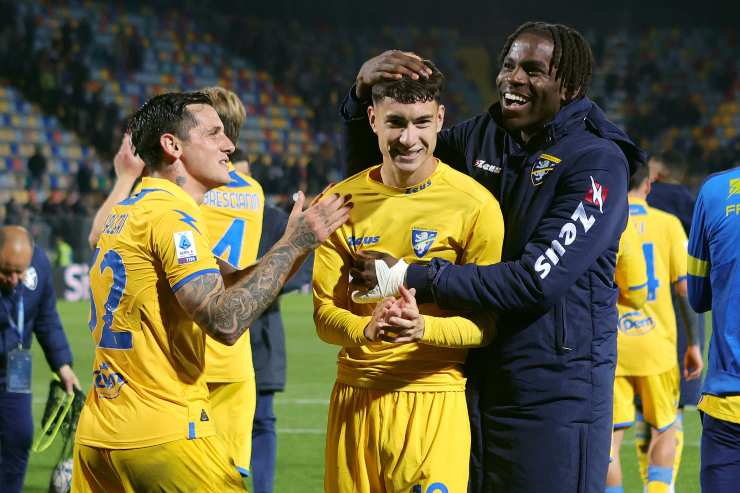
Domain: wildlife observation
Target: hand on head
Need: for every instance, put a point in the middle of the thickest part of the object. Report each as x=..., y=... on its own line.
x=389, y=65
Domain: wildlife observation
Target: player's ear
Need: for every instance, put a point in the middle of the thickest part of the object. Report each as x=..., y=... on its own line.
x=440, y=117
x=171, y=147
x=371, y=117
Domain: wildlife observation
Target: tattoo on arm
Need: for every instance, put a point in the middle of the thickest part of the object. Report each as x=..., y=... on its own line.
x=225, y=314
x=180, y=180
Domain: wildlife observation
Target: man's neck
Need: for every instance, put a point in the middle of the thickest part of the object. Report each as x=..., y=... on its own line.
x=637, y=194
x=393, y=177
x=187, y=183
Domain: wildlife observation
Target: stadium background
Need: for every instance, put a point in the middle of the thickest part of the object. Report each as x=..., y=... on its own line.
x=71, y=71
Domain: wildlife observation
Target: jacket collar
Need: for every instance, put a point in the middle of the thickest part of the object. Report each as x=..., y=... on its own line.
x=584, y=114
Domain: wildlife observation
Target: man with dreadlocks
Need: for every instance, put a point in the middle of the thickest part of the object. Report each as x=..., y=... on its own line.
x=540, y=396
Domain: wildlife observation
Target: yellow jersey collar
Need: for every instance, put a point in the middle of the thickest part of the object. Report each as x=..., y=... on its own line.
x=168, y=186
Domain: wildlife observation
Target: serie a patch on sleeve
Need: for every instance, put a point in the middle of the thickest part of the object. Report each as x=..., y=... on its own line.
x=185, y=247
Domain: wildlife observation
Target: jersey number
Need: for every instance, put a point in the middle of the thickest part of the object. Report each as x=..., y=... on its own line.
x=108, y=338
x=232, y=239
x=653, y=283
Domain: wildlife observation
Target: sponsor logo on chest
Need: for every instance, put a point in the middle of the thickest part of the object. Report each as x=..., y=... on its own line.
x=486, y=166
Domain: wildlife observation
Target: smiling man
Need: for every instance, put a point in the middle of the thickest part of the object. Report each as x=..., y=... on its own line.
x=398, y=420
x=147, y=422
x=540, y=398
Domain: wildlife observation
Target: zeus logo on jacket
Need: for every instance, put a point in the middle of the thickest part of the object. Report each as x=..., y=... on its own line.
x=568, y=234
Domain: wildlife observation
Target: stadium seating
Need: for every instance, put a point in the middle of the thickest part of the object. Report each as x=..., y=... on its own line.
x=22, y=126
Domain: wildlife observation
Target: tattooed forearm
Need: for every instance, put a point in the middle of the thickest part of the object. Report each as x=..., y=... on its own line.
x=225, y=314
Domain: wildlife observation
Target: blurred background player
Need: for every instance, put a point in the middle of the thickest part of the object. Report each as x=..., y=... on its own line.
x=267, y=337
x=233, y=216
x=646, y=368
x=28, y=306
x=153, y=275
x=398, y=417
x=668, y=192
x=714, y=284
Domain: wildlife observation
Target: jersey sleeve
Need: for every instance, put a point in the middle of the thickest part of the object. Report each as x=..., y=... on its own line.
x=483, y=247
x=335, y=323
x=180, y=242
x=585, y=218
x=631, y=271
x=679, y=253
x=699, y=261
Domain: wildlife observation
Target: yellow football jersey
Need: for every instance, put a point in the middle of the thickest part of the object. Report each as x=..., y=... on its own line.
x=233, y=214
x=631, y=272
x=449, y=216
x=148, y=385
x=646, y=343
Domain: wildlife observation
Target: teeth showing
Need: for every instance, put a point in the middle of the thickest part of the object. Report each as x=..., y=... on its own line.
x=514, y=98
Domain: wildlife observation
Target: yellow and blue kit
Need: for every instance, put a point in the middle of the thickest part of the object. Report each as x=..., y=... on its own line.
x=402, y=396
x=148, y=376
x=646, y=341
x=714, y=281
x=233, y=215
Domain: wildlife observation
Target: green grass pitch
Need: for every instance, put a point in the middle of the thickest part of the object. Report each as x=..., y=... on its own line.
x=301, y=409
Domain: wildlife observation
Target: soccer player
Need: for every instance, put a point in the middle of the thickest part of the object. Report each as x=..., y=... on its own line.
x=713, y=284
x=560, y=170
x=397, y=415
x=668, y=193
x=147, y=420
x=233, y=215
x=646, y=343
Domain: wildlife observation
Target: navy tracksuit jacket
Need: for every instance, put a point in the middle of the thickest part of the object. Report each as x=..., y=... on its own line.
x=41, y=318
x=540, y=395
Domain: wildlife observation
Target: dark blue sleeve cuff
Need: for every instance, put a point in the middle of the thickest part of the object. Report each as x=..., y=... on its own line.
x=418, y=277
x=353, y=108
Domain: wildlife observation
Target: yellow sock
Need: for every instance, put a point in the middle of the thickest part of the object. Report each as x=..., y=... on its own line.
x=658, y=487
x=679, y=446
x=642, y=442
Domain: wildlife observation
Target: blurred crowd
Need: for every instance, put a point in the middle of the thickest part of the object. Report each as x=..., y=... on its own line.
x=672, y=89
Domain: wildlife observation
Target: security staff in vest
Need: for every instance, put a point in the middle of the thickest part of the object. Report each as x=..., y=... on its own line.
x=27, y=305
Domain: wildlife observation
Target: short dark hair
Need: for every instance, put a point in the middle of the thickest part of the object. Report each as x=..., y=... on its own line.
x=408, y=91
x=674, y=162
x=639, y=176
x=571, y=55
x=165, y=113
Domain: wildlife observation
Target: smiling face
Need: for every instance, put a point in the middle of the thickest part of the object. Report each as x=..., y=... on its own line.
x=529, y=92
x=407, y=135
x=205, y=154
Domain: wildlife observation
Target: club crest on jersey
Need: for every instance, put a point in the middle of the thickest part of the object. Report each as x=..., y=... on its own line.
x=635, y=324
x=31, y=278
x=108, y=383
x=422, y=240
x=734, y=187
x=542, y=167
x=596, y=195
x=185, y=247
